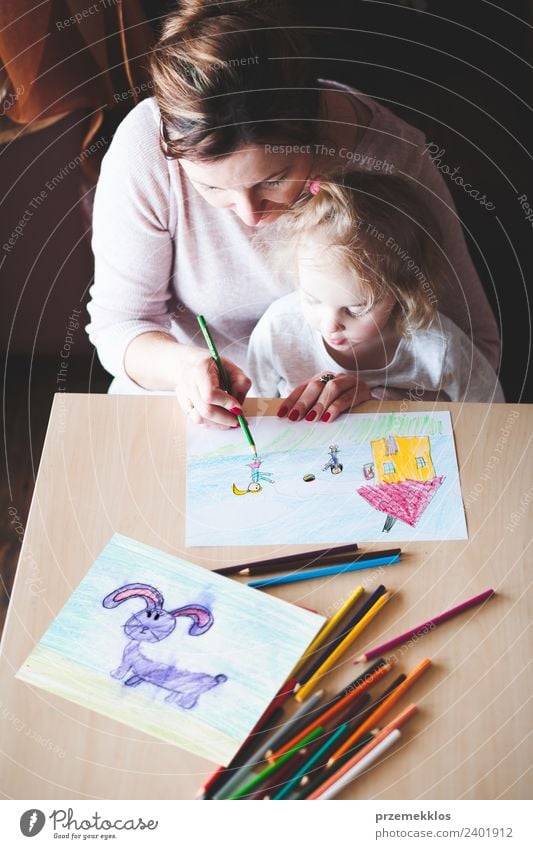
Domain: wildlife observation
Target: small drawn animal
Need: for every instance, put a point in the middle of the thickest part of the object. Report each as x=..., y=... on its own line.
x=152, y=625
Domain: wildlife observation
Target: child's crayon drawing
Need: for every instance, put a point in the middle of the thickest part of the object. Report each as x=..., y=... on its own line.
x=256, y=476
x=198, y=674
x=152, y=625
x=333, y=463
x=401, y=464
x=405, y=478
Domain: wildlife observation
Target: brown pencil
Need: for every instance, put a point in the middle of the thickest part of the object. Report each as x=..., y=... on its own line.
x=303, y=560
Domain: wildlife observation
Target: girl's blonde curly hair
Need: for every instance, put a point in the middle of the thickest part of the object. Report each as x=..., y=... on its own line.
x=378, y=227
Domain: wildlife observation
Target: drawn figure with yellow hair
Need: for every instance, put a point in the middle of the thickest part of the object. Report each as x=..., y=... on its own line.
x=256, y=478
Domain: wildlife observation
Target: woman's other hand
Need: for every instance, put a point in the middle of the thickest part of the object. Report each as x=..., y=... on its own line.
x=324, y=397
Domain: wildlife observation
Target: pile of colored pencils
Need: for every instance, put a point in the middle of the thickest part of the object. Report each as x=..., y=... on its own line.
x=327, y=743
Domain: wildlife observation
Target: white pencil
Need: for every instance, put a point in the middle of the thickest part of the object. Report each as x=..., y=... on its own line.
x=363, y=764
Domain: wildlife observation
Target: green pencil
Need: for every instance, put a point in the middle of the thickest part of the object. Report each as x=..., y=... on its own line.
x=224, y=379
x=257, y=779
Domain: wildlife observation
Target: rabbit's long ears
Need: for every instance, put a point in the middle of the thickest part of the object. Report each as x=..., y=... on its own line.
x=151, y=595
x=201, y=616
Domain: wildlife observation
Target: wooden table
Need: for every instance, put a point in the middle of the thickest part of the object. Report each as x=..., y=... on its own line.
x=116, y=464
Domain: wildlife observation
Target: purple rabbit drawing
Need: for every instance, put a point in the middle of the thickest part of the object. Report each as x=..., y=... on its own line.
x=152, y=625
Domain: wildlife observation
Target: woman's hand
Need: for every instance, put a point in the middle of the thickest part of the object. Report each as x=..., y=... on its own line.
x=155, y=360
x=316, y=399
x=202, y=398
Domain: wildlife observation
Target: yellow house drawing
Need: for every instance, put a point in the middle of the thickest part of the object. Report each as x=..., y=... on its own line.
x=400, y=458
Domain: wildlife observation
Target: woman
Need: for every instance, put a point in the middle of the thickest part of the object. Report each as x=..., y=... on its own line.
x=234, y=134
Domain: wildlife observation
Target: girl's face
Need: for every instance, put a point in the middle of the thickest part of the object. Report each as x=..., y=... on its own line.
x=333, y=303
x=255, y=182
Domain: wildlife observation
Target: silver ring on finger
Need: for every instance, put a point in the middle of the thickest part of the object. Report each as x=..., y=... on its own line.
x=326, y=377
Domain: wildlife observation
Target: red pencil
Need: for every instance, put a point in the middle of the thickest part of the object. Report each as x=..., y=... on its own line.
x=420, y=630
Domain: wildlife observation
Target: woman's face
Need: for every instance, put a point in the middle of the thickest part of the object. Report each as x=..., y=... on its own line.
x=256, y=182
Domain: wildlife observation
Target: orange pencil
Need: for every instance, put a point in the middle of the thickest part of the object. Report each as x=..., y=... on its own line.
x=397, y=722
x=381, y=710
x=333, y=710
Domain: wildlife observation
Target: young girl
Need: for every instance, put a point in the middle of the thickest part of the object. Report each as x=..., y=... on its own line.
x=364, y=321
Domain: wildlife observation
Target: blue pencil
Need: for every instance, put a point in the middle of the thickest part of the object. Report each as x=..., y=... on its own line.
x=325, y=571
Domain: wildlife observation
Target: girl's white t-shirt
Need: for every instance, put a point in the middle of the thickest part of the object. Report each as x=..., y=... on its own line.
x=284, y=351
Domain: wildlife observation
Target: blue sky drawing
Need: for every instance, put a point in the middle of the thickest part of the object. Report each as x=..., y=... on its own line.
x=326, y=510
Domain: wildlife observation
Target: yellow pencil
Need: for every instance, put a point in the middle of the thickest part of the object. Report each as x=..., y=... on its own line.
x=341, y=648
x=328, y=628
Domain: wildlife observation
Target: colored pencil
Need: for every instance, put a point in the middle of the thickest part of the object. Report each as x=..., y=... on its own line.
x=278, y=780
x=329, y=626
x=357, y=719
x=304, y=559
x=225, y=381
x=218, y=778
x=377, y=664
x=332, y=738
x=299, y=719
x=285, y=774
x=282, y=732
x=357, y=769
x=353, y=685
x=257, y=779
x=348, y=717
x=346, y=628
x=334, y=774
x=212, y=782
x=308, y=783
x=325, y=571
x=420, y=630
x=345, y=644
x=275, y=562
x=335, y=708
x=382, y=709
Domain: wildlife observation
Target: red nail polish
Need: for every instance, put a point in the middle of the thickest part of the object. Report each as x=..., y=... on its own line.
x=293, y=416
x=236, y=411
x=326, y=417
x=282, y=411
x=310, y=416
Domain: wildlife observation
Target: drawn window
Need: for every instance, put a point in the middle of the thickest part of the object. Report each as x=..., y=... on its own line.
x=420, y=463
x=392, y=445
x=388, y=468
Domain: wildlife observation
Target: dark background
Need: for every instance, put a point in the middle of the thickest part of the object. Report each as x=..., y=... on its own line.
x=460, y=71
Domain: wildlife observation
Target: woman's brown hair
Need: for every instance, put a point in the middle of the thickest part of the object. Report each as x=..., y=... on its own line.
x=228, y=74
x=377, y=226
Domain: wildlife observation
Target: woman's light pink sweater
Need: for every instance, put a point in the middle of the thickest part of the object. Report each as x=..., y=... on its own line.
x=163, y=254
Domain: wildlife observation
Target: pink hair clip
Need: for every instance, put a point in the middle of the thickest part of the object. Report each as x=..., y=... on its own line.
x=314, y=186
